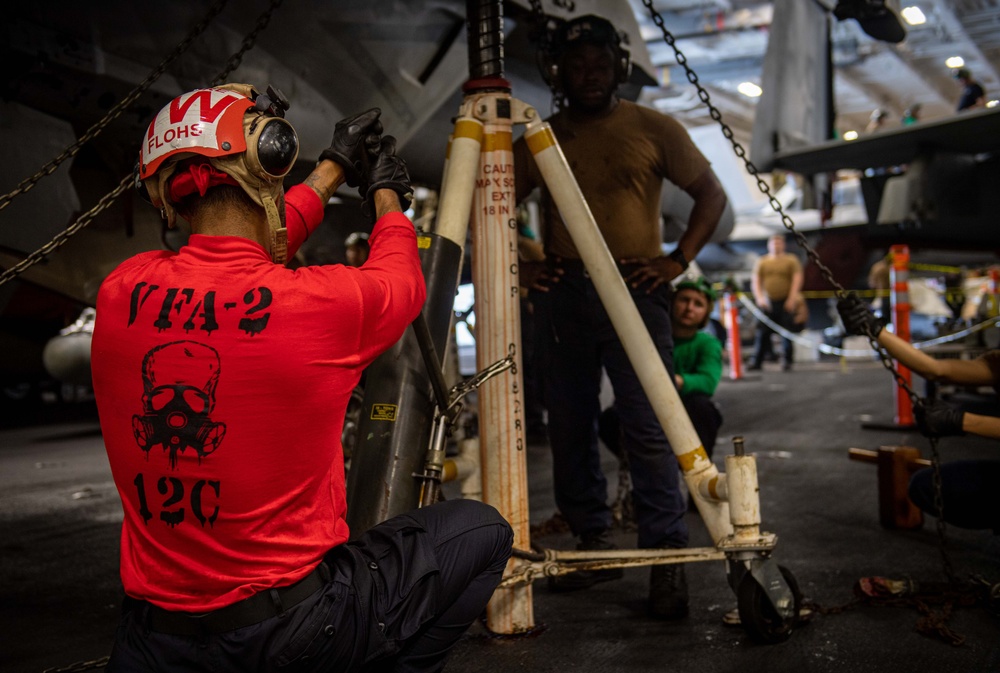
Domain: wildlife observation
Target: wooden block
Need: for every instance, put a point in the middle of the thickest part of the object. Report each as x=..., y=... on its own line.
x=894, y=469
x=864, y=455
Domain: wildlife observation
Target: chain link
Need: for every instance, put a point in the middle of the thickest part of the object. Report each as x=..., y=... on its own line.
x=80, y=666
x=542, y=35
x=248, y=42
x=463, y=388
x=95, y=130
x=60, y=239
x=839, y=290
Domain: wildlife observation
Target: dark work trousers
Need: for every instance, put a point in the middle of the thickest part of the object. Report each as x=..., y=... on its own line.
x=969, y=491
x=534, y=411
x=397, y=599
x=762, y=348
x=705, y=417
x=575, y=340
x=703, y=412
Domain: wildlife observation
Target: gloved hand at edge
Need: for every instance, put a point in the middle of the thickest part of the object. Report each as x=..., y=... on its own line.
x=387, y=171
x=352, y=138
x=938, y=419
x=858, y=320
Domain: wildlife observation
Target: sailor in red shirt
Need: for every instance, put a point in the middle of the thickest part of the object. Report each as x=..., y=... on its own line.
x=222, y=379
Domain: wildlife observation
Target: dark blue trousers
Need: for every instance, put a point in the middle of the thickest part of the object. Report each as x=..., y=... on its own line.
x=575, y=340
x=705, y=417
x=397, y=599
x=762, y=347
x=969, y=490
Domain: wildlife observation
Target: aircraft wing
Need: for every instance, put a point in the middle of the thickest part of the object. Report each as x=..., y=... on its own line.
x=973, y=133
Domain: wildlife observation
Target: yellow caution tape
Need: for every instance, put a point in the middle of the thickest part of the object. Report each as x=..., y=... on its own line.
x=936, y=268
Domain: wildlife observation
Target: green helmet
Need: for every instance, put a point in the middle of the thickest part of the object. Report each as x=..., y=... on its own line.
x=700, y=284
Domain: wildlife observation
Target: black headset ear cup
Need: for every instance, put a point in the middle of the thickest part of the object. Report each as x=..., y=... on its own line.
x=624, y=65
x=272, y=147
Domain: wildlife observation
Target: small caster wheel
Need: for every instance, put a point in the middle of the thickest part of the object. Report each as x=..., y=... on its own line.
x=759, y=617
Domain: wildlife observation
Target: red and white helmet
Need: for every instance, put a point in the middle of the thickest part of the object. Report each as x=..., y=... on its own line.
x=205, y=122
x=235, y=128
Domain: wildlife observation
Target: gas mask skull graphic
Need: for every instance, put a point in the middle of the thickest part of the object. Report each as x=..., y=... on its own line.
x=179, y=381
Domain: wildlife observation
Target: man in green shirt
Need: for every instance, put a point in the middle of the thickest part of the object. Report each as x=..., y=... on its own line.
x=697, y=358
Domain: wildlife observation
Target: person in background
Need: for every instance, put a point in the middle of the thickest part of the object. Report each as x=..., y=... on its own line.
x=221, y=378
x=620, y=154
x=776, y=283
x=697, y=358
x=911, y=115
x=877, y=120
x=879, y=279
x=970, y=497
x=356, y=248
x=973, y=96
x=697, y=366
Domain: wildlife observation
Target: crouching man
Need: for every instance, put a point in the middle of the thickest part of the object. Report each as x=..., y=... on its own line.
x=222, y=378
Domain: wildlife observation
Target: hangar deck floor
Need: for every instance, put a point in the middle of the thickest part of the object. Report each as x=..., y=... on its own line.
x=59, y=521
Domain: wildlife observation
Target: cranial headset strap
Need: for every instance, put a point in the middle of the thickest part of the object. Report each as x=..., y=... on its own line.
x=279, y=234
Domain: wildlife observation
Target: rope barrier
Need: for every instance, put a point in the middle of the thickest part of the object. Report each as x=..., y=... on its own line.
x=833, y=350
x=949, y=293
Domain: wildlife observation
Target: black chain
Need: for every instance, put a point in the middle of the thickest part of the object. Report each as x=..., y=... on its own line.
x=80, y=666
x=95, y=130
x=60, y=239
x=542, y=36
x=800, y=238
x=248, y=42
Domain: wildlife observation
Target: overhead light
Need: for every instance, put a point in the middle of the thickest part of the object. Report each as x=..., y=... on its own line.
x=954, y=62
x=850, y=135
x=750, y=89
x=993, y=103
x=913, y=15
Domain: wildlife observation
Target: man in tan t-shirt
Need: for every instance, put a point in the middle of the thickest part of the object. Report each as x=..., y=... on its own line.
x=620, y=154
x=777, y=290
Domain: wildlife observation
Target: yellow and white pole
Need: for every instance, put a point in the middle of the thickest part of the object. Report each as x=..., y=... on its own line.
x=639, y=346
x=458, y=183
x=498, y=335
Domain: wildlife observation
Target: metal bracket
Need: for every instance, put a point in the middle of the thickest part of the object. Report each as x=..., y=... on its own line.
x=768, y=576
x=483, y=107
x=764, y=542
x=558, y=562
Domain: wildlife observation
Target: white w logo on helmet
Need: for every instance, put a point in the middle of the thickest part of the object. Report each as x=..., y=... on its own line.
x=206, y=122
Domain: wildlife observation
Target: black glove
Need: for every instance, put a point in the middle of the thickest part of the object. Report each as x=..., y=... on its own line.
x=938, y=419
x=352, y=137
x=386, y=171
x=856, y=316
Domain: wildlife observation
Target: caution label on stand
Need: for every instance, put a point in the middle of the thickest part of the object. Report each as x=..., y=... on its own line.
x=384, y=412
